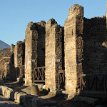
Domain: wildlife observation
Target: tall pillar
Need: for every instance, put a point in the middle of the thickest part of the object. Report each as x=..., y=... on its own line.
x=53, y=54
x=34, y=50
x=73, y=31
x=30, y=52
x=19, y=56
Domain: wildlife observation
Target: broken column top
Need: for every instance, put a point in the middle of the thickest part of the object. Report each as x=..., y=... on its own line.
x=42, y=23
x=32, y=26
x=76, y=9
x=51, y=22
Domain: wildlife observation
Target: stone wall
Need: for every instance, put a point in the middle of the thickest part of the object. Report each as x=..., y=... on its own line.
x=73, y=32
x=95, y=45
x=95, y=53
x=5, y=53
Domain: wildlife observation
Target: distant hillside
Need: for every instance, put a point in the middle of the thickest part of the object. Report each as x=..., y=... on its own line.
x=3, y=45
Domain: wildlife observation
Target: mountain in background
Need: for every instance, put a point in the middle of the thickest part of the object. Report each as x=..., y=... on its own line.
x=3, y=45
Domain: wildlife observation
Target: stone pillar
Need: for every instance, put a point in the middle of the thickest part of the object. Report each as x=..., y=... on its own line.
x=19, y=57
x=73, y=31
x=30, y=52
x=19, y=54
x=53, y=54
x=34, y=50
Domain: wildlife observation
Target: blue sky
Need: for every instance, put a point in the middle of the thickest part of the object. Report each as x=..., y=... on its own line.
x=15, y=14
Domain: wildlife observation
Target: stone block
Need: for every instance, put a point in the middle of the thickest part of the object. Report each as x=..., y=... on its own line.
x=6, y=91
x=17, y=96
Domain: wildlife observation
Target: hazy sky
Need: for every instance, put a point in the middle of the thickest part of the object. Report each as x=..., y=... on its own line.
x=15, y=14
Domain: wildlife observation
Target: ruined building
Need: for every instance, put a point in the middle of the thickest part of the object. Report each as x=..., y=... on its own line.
x=70, y=58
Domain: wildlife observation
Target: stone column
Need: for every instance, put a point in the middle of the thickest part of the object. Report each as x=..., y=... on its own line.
x=30, y=52
x=73, y=31
x=53, y=54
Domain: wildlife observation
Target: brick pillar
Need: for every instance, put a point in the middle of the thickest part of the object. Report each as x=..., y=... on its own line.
x=30, y=52
x=53, y=54
x=73, y=31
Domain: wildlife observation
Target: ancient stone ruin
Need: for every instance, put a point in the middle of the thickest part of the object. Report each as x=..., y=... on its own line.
x=71, y=59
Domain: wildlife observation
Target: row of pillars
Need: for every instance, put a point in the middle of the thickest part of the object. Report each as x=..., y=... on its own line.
x=61, y=48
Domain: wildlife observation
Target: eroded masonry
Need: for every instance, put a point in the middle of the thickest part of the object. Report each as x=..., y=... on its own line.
x=72, y=58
